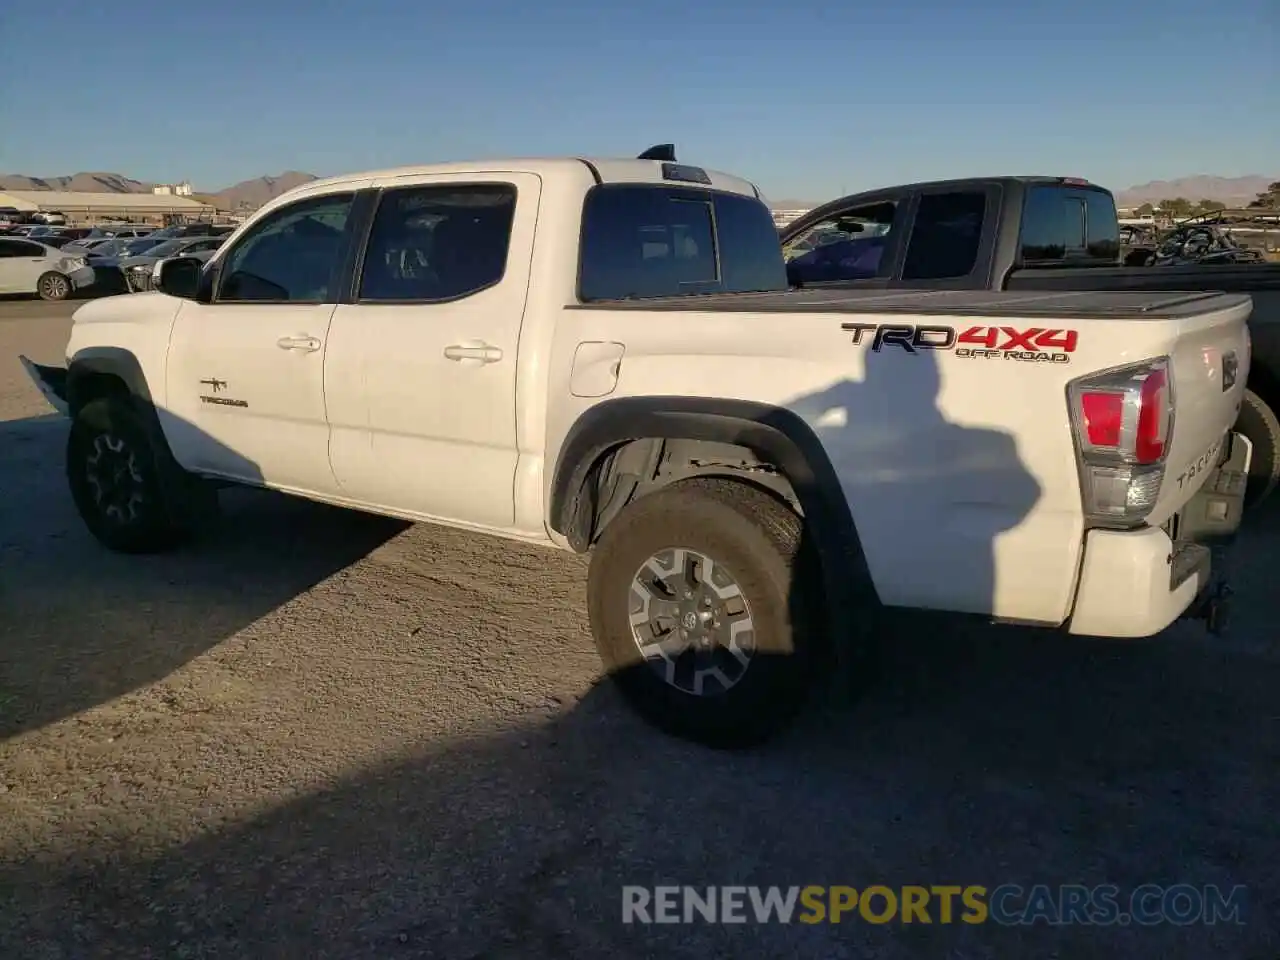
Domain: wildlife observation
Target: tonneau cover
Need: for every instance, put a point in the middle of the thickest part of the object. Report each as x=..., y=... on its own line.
x=1115, y=304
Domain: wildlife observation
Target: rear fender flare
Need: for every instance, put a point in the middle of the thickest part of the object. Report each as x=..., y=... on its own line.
x=773, y=433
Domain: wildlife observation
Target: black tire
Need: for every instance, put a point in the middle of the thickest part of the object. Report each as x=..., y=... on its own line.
x=53, y=286
x=1258, y=422
x=144, y=504
x=760, y=542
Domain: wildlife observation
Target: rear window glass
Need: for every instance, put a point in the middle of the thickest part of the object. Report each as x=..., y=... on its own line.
x=1102, y=227
x=645, y=241
x=1061, y=223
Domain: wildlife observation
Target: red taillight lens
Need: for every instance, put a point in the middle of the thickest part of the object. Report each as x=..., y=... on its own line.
x=1103, y=417
x=1123, y=421
x=1153, y=417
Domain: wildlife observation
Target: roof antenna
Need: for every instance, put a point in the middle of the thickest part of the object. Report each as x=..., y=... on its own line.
x=662, y=151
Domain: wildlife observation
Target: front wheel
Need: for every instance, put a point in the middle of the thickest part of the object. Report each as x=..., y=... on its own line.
x=117, y=470
x=703, y=602
x=53, y=286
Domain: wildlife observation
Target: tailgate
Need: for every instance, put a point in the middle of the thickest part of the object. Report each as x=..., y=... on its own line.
x=1209, y=360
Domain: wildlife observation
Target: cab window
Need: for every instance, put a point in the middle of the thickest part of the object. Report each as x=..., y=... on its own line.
x=291, y=256
x=850, y=246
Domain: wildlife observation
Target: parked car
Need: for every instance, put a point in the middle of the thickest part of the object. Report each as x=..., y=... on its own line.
x=28, y=266
x=58, y=240
x=201, y=229
x=1035, y=233
x=138, y=271
x=86, y=244
x=603, y=355
x=110, y=253
x=124, y=231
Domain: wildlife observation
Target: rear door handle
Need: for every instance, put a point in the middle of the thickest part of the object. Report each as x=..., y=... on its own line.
x=300, y=341
x=473, y=353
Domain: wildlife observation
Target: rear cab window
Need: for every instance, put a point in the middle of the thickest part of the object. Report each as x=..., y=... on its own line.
x=1064, y=224
x=642, y=241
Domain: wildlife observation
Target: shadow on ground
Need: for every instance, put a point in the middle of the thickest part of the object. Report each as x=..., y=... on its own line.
x=80, y=626
x=986, y=759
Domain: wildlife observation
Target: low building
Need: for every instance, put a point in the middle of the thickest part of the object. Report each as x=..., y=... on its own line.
x=85, y=207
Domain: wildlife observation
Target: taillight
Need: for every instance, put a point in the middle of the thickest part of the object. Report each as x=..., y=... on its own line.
x=1123, y=421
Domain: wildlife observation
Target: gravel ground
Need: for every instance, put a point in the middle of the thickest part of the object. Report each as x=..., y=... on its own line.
x=323, y=734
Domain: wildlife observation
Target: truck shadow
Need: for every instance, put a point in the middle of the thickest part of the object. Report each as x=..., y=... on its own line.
x=930, y=498
x=82, y=625
x=1012, y=762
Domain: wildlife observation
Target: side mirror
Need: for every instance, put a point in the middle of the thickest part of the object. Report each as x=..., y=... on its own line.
x=179, y=277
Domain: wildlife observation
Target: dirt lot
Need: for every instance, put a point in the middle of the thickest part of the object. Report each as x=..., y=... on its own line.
x=321, y=734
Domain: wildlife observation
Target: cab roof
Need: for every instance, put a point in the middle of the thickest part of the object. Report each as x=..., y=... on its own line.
x=601, y=169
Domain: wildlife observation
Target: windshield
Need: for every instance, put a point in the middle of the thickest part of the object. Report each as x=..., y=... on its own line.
x=166, y=248
x=112, y=248
x=139, y=245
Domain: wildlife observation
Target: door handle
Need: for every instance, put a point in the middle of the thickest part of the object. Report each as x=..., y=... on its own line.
x=473, y=352
x=300, y=341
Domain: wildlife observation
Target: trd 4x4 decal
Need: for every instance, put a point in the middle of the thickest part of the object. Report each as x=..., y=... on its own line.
x=1034, y=345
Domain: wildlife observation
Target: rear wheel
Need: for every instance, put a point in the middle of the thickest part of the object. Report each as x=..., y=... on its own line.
x=53, y=286
x=1258, y=422
x=127, y=488
x=702, y=599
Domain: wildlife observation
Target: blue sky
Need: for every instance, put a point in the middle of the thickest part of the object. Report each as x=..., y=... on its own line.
x=808, y=99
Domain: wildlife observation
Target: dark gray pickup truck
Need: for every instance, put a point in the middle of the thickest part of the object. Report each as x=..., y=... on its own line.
x=1032, y=233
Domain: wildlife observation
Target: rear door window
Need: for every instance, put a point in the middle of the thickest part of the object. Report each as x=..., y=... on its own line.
x=641, y=241
x=945, y=236
x=436, y=243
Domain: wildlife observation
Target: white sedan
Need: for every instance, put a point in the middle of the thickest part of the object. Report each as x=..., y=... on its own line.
x=28, y=266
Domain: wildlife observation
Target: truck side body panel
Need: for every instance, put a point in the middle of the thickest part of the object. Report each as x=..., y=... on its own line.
x=959, y=470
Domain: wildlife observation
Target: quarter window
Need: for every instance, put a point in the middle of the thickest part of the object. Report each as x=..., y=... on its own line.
x=292, y=256
x=438, y=243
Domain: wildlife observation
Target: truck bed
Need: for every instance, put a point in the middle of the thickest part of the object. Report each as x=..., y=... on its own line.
x=1229, y=278
x=1068, y=304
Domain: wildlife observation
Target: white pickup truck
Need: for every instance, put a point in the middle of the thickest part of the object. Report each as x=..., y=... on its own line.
x=603, y=355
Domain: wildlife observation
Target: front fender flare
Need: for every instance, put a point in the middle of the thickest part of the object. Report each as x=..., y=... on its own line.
x=105, y=361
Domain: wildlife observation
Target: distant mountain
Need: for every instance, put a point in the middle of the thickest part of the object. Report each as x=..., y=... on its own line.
x=1228, y=190
x=248, y=193
x=251, y=194
x=76, y=183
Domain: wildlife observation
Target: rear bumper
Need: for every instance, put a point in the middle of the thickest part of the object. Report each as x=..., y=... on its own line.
x=1134, y=583
x=81, y=277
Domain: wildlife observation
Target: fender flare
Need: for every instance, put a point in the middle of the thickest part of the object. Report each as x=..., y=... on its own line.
x=775, y=433
x=105, y=361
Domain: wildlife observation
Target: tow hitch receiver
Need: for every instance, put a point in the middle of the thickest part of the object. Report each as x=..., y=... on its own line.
x=1213, y=606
